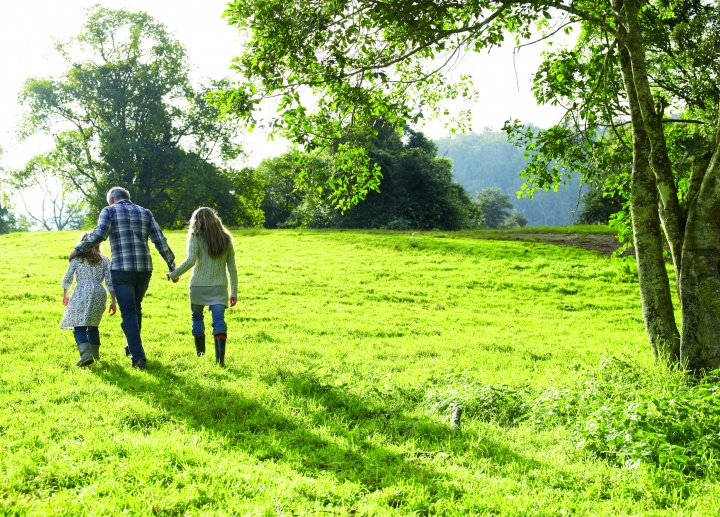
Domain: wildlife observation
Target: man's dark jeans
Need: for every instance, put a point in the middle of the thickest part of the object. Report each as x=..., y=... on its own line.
x=130, y=288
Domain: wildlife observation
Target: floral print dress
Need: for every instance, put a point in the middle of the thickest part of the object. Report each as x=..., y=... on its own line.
x=88, y=301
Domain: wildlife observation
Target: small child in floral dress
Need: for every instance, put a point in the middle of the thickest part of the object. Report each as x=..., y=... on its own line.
x=85, y=308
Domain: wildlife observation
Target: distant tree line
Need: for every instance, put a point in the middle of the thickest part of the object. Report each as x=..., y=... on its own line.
x=416, y=191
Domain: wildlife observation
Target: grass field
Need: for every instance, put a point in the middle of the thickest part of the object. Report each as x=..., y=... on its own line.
x=347, y=352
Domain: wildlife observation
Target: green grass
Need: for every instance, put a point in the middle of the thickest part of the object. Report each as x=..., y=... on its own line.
x=346, y=353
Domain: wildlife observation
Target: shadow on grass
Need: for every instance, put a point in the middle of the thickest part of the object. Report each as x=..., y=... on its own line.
x=320, y=430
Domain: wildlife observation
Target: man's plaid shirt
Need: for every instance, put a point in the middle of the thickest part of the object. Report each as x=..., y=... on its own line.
x=129, y=226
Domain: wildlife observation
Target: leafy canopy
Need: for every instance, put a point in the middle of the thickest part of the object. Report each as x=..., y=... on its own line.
x=332, y=65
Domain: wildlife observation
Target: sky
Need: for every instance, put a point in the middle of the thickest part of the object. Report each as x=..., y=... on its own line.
x=28, y=27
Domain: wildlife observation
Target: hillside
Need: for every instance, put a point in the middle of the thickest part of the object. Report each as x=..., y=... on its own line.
x=484, y=160
x=347, y=353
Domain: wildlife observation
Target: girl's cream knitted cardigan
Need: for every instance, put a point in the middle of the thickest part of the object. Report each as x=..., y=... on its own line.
x=207, y=270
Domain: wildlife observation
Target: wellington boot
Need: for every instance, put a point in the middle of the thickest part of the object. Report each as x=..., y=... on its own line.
x=200, y=345
x=86, y=356
x=220, y=351
x=95, y=350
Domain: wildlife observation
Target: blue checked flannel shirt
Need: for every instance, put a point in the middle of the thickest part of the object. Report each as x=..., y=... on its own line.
x=129, y=226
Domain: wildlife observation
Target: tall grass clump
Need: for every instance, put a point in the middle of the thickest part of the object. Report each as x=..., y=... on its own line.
x=621, y=413
x=629, y=415
x=501, y=404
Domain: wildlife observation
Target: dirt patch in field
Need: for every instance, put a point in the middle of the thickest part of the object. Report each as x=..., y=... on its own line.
x=604, y=243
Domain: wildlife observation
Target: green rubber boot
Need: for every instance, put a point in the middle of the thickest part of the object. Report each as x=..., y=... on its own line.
x=220, y=351
x=86, y=355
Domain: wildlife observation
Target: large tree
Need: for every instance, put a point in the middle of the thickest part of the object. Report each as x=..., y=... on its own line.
x=417, y=189
x=126, y=113
x=655, y=61
x=339, y=63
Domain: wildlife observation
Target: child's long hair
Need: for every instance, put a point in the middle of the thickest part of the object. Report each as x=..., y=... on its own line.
x=206, y=224
x=92, y=255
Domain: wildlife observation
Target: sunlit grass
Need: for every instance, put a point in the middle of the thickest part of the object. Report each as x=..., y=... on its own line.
x=346, y=352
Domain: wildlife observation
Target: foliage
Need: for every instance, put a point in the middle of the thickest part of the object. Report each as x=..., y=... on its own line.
x=675, y=429
x=516, y=220
x=494, y=206
x=9, y=222
x=620, y=413
x=60, y=209
x=635, y=417
x=125, y=113
x=282, y=195
x=235, y=193
x=416, y=190
x=598, y=207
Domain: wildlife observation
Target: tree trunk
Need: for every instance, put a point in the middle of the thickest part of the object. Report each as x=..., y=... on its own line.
x=700, y=276
x=669, y=207
x=657, y=307
x=695, y=247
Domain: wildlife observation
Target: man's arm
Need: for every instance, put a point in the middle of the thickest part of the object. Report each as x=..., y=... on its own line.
x=160, y=242
x=189, y=261
x=99, y=234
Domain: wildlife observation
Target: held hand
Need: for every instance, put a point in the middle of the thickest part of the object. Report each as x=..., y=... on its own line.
x=72, y=255
x=175, y=280
x=66, y=300
x=233, y=301
x=113, y=309
x=168, y=276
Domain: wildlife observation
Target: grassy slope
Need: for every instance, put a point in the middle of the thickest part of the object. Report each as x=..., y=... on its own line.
x=340, y=347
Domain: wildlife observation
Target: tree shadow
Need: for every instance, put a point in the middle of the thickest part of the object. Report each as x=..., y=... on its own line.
x=360, y=435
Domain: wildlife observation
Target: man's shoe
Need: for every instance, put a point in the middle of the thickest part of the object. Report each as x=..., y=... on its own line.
x=139, y=364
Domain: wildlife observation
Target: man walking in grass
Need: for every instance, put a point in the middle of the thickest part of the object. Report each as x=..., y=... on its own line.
x=129, y=227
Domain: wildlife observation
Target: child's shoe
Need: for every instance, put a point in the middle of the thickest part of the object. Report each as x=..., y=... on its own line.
x=86, y=356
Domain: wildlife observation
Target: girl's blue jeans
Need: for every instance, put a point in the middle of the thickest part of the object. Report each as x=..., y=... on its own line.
x=87, y=335
x=218, y=319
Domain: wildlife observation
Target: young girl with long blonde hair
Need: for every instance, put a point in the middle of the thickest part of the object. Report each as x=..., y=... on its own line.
x=211, y=255
x=85, y=308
